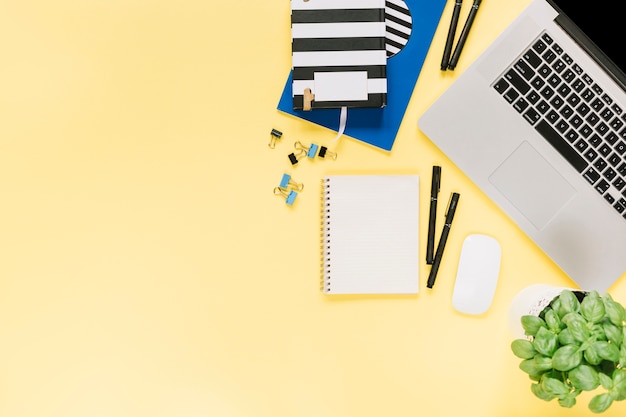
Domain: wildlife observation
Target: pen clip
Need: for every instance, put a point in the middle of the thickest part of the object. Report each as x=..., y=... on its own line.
x=436, y=181
x=452, y=203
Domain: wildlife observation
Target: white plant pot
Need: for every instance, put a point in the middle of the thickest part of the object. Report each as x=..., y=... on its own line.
x=531, y=301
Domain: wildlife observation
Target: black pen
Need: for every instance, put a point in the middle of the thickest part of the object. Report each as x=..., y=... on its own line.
x=434, y=191
x=463, y=36
x=454, y=199
x=451, y=32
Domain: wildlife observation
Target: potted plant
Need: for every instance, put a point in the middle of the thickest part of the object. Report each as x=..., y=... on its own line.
x=576, y=343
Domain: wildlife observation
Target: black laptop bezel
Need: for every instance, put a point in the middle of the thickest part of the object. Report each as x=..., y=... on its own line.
x=589, y=45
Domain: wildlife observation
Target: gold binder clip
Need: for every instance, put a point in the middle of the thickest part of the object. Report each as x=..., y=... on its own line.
x=307, y=99
x=275, y=136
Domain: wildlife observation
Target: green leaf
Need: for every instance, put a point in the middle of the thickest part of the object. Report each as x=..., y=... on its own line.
x=554, y=386
x=584, y=377
x=592, y=355
x=566, y=338
x=541, y=393
x=596, y=331
x=553, y=321
x=545, y=342
x=606, y=350
x=577, y=326
x=619, y=384
x=606, y=381
x=614, y=310
x=542, y=363
x=567, y=357
x=613, y=333
x=530, y=367
x=523, y=349
x=568, y=401
x=569, y=302
x=532, y=324
x=600, y=403
x=555, y=305
x=592, y=307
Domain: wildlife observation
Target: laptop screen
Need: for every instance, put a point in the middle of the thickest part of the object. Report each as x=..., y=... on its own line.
x=601, y=23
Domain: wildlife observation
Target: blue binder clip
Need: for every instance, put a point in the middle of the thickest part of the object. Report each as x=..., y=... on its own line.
x=286, y=182
x=289, y=195
x=275, y=135
x=310, y=152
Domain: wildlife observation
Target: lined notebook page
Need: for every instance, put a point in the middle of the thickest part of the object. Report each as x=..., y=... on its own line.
x=370, y=234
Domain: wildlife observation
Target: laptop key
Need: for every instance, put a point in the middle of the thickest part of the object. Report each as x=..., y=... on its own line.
x=521, y=105
x=517, y=81
x=600, y=164
x=611, y=138
x=510, y=95
x=524, y=69
x=590, y=154
x=558, y=66
x=609, y=174
x=602, y=186
x=540, y=46
x=591, y=175
x=568, y=75
x=533, y=97
x=531, y=116
x=607, y=114
x=578, y=85
x=561, y=145
x=501, y=85
x=532, y=58
x=614, y=159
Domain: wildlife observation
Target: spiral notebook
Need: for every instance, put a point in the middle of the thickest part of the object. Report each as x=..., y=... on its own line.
x=370, y=231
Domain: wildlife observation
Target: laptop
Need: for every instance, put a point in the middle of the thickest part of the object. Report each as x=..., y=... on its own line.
x=538, y=123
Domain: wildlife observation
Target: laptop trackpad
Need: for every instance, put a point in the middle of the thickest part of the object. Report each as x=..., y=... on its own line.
x=532, y=185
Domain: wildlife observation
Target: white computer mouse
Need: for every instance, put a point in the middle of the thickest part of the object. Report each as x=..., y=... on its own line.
x=477, y=274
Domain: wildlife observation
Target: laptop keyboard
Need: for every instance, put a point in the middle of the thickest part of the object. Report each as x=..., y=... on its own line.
x=573, y=113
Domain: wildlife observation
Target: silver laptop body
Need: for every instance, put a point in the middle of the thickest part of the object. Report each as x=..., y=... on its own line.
x=487, y=126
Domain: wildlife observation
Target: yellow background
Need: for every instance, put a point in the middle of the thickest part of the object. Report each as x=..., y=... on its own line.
x=147, y=268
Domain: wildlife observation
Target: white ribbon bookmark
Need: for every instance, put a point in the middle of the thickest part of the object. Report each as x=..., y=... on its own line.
x=343, y=117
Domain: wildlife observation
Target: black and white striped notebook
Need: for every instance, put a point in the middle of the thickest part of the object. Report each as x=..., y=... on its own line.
x=339, y=55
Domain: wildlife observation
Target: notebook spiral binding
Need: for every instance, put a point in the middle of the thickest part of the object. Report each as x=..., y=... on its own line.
x=325, y=236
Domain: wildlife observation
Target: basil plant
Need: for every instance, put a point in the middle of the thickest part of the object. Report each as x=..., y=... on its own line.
x=576, y=344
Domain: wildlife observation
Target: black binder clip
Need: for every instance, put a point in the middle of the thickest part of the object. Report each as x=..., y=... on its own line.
x=293, y=158
x=275, y=136
x=289, y=195
x=286, y=182
x=324, y=152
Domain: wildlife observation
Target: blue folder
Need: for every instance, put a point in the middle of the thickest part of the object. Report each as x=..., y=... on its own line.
x=379, y=126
